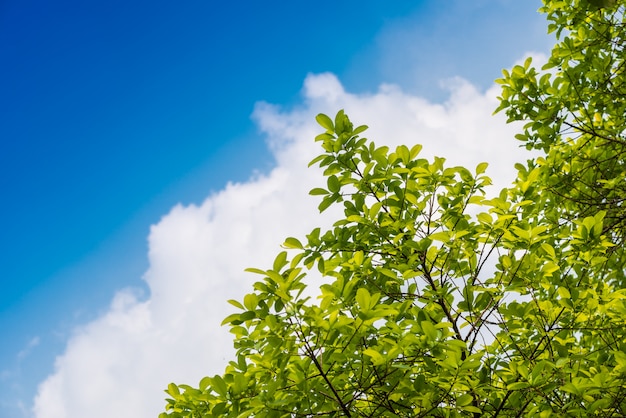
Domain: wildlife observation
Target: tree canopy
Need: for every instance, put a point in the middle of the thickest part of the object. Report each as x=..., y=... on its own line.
x=440, y=301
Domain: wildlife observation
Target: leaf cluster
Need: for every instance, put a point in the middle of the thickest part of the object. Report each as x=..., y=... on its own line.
x=575, y=111
x=439, y=301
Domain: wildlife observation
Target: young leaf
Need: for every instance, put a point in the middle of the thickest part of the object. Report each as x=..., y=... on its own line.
x=293, y=243
x=325, y=122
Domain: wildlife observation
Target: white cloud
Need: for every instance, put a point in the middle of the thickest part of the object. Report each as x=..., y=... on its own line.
x=119, y=364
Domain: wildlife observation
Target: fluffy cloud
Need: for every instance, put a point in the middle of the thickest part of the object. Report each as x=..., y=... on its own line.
x=119, y=364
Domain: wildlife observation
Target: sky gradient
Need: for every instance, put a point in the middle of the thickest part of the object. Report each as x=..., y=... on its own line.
x=113, y=113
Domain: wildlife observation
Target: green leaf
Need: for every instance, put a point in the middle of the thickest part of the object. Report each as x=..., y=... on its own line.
x=293, y=243
x=415, y=150
x=363, y=298
x=341, y=122
x=325, y=122
x=333, y=184
x=318, y=191
x=317, y=159
x=485, y=218
x=204, y=383
x=377, y=358
x=219, y=386
x=481, y=168
x=518, y=386
x=235, y=303
x=464, y=400
x=443, y=236
x=172, y=389
x=429, y=330
x=232, y=319
x=326, y=202
x=563, y=293
x=250, y=301
x=279, y=262
x=359, y=129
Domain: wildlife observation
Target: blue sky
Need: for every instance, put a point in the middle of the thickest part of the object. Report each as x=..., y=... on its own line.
x=112, y=113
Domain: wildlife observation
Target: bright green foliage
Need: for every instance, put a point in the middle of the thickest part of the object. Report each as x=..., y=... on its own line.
x=439, y=301
x=575, y=109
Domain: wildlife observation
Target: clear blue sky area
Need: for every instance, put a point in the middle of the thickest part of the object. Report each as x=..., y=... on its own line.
x=112, y=112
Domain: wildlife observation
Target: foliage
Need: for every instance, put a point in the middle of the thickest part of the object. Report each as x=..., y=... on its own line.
x=440, y=301
x=575, y=110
